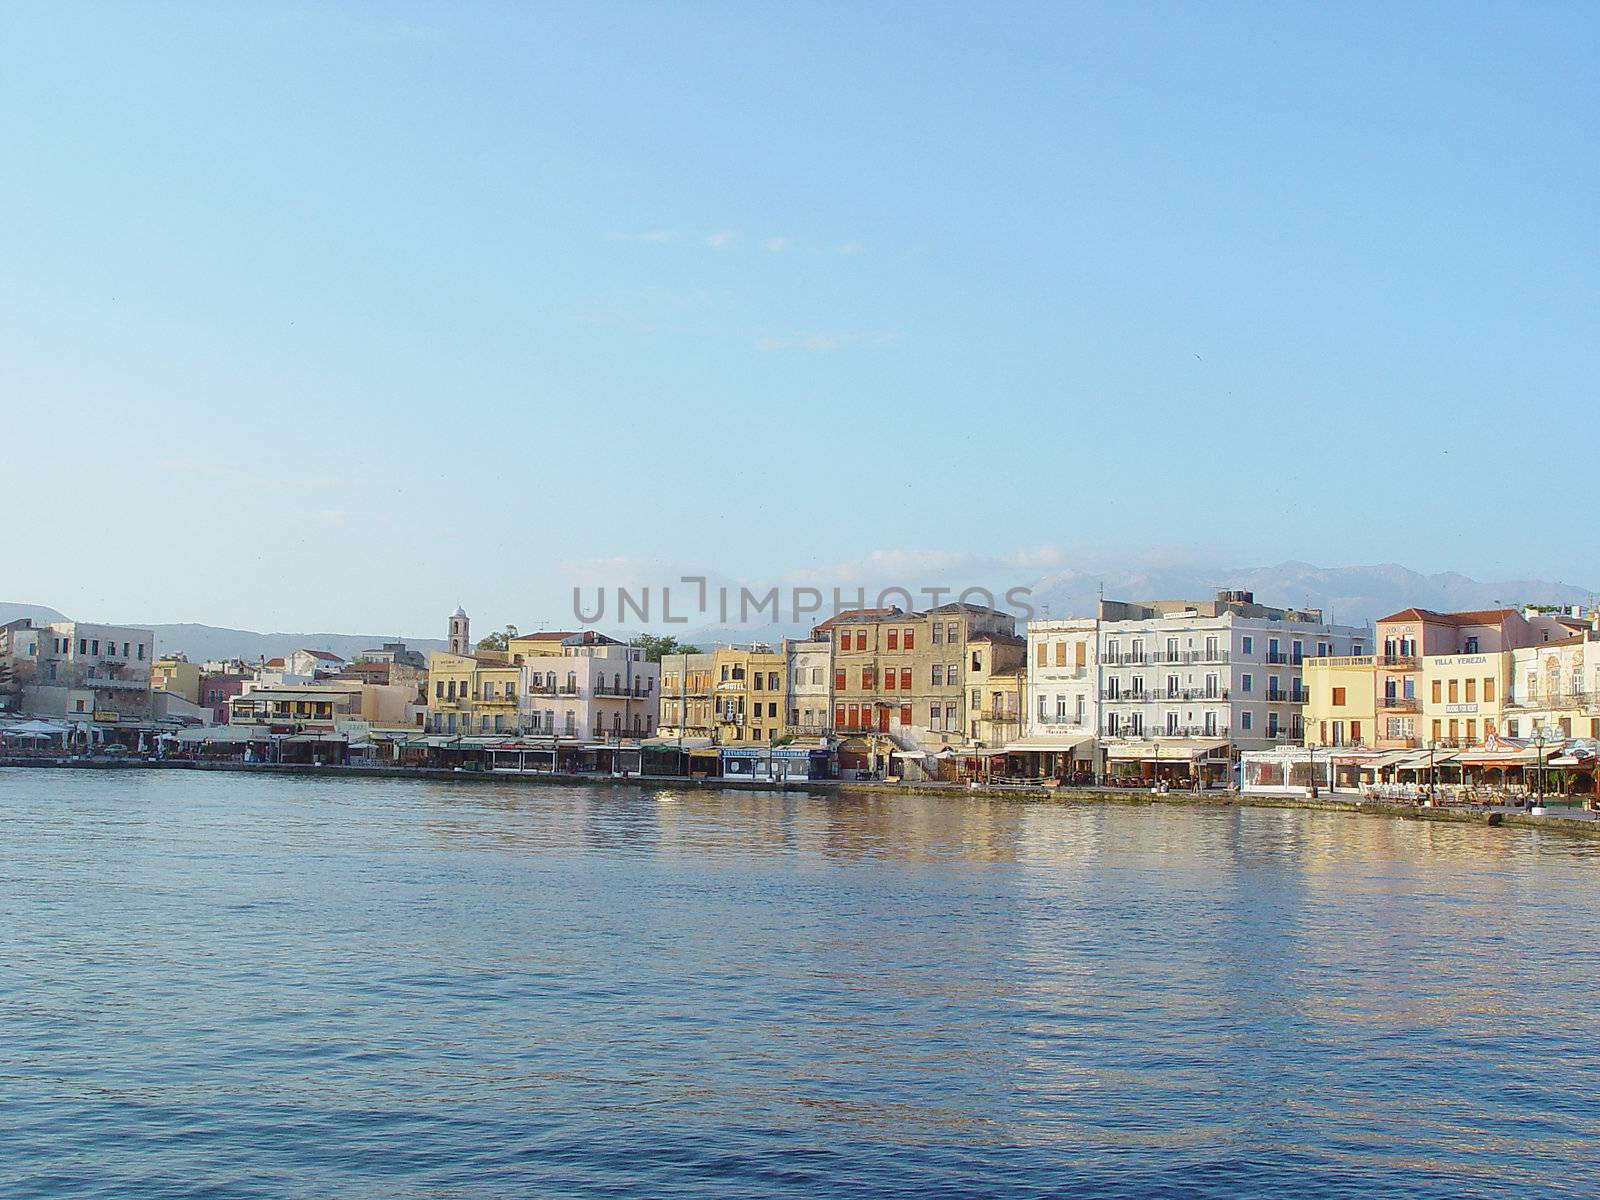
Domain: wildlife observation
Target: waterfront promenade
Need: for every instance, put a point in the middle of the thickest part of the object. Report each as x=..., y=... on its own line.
x=1571, y=819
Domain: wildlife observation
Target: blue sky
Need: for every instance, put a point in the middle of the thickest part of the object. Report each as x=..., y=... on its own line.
x=333, y=316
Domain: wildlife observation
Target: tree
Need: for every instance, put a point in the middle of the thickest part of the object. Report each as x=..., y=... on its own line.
x=498, y=641
x=654, y=647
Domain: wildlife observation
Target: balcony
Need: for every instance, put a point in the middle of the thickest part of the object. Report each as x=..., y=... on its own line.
x=620, y=693
x=1289, y=697
x=1398, y=662
x=1408, y=704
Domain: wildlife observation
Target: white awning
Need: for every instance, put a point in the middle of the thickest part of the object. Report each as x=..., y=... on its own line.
x=1177, y=750
x=908, y=754
x=1052, y=743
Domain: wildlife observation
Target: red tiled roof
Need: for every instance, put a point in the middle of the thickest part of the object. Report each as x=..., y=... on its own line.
x=860, y=614
x=325, y=655
x=1482, y=616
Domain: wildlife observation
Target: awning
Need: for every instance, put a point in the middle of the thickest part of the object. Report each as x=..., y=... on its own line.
x=907, y=754
x=1060, y=743
x=1177, y=750
x=307, y=739
x=223, y=735
x=1568, y=760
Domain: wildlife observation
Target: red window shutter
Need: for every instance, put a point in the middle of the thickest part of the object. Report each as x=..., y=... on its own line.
x=861, y=639
x=905, y=714
x=866, y=679
x=888, y=680
x=838, y=681
x=838, y=716
x=905, y=680
x=911, y=639
x=894, y=639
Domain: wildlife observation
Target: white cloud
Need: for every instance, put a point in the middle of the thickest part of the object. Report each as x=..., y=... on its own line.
x=776, y=245
x=720, y=239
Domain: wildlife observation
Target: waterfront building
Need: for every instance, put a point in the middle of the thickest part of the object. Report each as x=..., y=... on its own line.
x=593, y=687
x=1187, y=684
x=219, y=686
x=900, y=683
x=97, y=674
x=1555, y=687
x=565, y=684
x=749, y=694
x=995, y=674
x=810, y=697
x=1061, y=697
x=686, y=697
x=1430, y=677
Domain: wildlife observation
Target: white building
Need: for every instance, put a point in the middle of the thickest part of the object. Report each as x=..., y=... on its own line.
x=810, y=697
x=73, y=668
x=598, y=689
x=1185, y=685
x=1061, y=694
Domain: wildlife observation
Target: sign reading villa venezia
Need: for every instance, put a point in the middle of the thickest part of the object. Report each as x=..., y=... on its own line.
x=1169, y=690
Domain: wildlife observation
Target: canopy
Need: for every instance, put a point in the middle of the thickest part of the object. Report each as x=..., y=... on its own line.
x=908, y=754
x=1176, y=750
x=35, y=729
x=230, y=735
x=1059, y=743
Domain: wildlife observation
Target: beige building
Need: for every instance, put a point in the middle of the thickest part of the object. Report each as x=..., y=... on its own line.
x=177, y=676
x=810, y=697
x=749, y=694
x=686, y=696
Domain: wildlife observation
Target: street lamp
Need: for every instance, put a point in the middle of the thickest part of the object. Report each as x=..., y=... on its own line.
x=1539, y=742
x=1433, y=778
x=1311, y=770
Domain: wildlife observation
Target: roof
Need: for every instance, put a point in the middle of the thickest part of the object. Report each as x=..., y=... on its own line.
x=1003, y=639
x=323, y=655
x=1481, y=616
x=862, y=614
x=276, y=662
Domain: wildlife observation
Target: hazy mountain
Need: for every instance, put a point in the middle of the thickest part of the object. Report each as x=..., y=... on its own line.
x=201, y=642
x=1351, y=595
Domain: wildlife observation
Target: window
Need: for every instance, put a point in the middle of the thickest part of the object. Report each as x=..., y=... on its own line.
x=905, y=714
x=1244, y=719
x=1061, y=654
x=1338, y=697
x=438, y=689
x=952, y=723
x=905, y=679
x=977, y=661
x=1044, y=709
x=861, y=639
x=894, y=639
x=757, y=681
x=1471, y=647
x=952, y=674
x=888, y=680
x=908, y=639
x=1355, y=731
x=1246, y=683
x=952, y=633
x=938, y=631
x=935, y=713
x=1438, y=730
x=839, y=683
x=1453, y=691
x=1438, y=693
x=838, y=716
x=1472, y=691
x=866, y=679
x=1041, y=655
x=816, y=676
x=1488, y=689
x=1248, y=644
x=937, y=674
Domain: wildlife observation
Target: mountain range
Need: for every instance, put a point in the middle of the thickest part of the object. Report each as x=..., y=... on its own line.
x=1350, y=595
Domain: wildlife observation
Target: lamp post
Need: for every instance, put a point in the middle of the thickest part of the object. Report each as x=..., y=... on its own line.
x=1539, y=743
x=1311, y=771
x=1433, y=779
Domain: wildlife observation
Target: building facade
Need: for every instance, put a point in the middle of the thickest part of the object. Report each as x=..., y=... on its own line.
x=1186, y=685
x=810, y=697
x=686, y=697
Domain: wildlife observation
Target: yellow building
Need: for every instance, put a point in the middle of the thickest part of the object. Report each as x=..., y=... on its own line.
x=749, y=693
x=687, y=705
x=995, y=714
x=1341, y=704
x=1463, y=697
x=178, y=676
x=472, y=694
x=1555, y=689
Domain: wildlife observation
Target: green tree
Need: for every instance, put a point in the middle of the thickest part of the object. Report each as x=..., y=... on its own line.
x=498, y=641
x=654, y=647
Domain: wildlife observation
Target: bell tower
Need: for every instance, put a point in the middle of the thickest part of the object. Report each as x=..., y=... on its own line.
x=460, y=635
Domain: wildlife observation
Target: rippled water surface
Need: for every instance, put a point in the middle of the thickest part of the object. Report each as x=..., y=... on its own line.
x=228, y=985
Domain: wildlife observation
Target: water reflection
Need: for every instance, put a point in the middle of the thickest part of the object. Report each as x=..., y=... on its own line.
x=376, y=988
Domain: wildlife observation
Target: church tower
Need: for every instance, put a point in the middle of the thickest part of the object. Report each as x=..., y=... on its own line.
x=460, y=637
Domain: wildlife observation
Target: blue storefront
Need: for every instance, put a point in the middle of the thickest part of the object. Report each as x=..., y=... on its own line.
x=774, y=764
